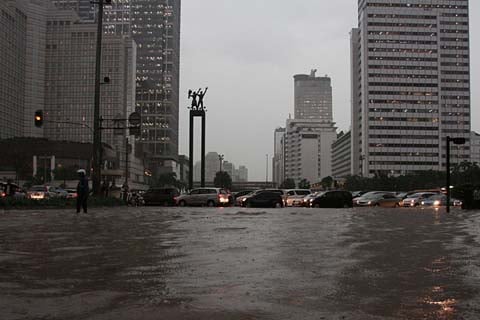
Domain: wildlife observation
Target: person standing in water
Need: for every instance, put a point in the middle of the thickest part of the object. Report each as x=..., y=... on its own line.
x=82, y=191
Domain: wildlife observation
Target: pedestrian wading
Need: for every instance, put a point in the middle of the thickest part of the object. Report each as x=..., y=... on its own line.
x=82, y=191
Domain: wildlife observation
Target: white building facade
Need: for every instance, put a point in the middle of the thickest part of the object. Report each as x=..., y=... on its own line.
x=410, y=85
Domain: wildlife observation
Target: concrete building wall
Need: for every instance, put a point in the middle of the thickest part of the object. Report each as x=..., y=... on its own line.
x=242, y=174
x=297, y=141
x=13, y=36
x=309, y=149
x=414, y=85
x=341, y=155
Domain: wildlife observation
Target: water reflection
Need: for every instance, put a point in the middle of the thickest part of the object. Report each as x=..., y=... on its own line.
x=404, y=266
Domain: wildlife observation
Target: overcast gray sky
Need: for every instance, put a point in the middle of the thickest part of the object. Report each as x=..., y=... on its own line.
x=247, y=52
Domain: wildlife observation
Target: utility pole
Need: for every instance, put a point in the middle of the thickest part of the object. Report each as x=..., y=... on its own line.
x=266, y=171
x=97, y=134
x=127, y=147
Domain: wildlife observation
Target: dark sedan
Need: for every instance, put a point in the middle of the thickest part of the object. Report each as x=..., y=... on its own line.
x=264, y=199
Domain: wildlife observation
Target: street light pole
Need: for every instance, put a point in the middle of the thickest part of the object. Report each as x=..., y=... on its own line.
x=97, y=135
x=448, y=173
x=266, y=172
x=220, y=159
x=458, y=141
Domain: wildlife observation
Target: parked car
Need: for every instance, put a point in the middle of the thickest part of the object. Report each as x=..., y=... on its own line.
x=41, y=192
x=161, y=196
x=71, y=193
x=379, y=199
x=61, y=193
x=14, y=190
x=364, y=195
x=212, y=197
x=294, y=197
x=307, y=198
x=439, y=200
x=239, y=199
x=416, y=199
x=264, y=199
x=242, y=193
x=332, y=199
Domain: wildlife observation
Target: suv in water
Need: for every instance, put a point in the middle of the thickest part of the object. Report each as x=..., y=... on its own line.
x=211, y=197
x=161, y=196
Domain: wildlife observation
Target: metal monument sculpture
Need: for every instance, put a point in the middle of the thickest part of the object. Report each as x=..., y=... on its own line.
x=197, y=109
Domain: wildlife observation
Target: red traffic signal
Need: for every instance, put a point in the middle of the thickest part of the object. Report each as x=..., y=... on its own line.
x=38, y=118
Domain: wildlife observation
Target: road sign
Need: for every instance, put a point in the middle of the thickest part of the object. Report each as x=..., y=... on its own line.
x=134, y=119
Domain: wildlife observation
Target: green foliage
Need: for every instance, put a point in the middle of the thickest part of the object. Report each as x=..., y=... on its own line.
x=461, y=174
x=327, y=183
x=222, y=180
x=288, y=183
x=304, y=184
x=169, y=180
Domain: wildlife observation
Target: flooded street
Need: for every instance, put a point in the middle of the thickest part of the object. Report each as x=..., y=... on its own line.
x=236, y=263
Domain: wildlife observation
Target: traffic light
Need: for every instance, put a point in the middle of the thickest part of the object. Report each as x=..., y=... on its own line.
x=38, y=118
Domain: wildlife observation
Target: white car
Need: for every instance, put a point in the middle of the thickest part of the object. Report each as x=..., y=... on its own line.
x=41, y=192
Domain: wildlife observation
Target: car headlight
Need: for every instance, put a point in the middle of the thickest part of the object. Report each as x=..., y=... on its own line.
x=436, y=203
x=369, y=202
x=244, y=199
x=423, y=203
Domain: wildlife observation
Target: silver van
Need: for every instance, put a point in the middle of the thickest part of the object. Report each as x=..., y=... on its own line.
x=211, y=197
x=295, y=197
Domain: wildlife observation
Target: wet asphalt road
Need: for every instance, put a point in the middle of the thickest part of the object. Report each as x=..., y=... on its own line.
x=233, y=263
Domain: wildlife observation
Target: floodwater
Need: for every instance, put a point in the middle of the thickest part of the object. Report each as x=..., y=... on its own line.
x=235, y=263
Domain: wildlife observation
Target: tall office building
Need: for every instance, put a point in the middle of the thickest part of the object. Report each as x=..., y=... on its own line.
x=84, y=8
x=313, y=97
x=13, y=35
x=410, y=85
x=278, y=159
x=308, y=138
x=155, y=27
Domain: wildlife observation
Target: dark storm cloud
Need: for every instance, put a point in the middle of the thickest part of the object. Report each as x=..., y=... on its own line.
x=247, y=52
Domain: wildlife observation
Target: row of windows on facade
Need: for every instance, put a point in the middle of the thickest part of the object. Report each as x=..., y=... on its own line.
x=408, y=16
x=419, y=5
x=432, y=111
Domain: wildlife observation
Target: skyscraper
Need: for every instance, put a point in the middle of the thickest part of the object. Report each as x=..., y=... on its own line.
x=313, y=97
x=278, y=159
x=410, y=85
x=155, y=27
x=308, y=138
x=13, y=32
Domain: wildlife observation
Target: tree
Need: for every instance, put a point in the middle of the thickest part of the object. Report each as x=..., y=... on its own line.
x=169, y=180
x=288, y=183
x=222, y=180
x=326, y=182
x=304, y=184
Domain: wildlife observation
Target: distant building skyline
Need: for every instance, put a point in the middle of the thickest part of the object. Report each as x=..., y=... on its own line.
x=212, y=166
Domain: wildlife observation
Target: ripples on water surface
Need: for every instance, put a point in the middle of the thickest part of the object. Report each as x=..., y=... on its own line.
x=232, y=263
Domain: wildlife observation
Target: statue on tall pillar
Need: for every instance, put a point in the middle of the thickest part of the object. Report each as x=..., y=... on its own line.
x=197, y=99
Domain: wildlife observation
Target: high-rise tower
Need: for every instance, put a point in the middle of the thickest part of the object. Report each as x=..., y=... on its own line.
x=410, y=85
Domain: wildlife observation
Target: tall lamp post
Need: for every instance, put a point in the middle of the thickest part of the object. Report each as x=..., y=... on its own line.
x=97, y=134
x=455, y=141
x=220, y=159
